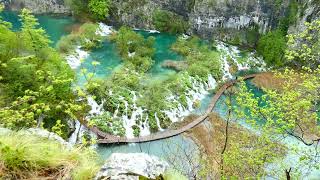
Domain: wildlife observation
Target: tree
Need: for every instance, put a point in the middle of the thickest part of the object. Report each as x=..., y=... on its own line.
x=36, y=84
x=272, y=47
x=34, y=38
x=99, y=8
x=289, y=112
x=304, y=47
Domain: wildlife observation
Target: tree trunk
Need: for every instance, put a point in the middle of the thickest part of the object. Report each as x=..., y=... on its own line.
x=288, y=174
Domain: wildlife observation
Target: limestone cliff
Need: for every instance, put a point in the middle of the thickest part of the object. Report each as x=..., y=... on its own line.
x=38, y=6
x=229, y=20
x=237, y=21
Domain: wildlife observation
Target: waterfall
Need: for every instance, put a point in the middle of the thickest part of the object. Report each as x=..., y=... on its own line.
x=153, y=31
x=104, y=30
x=79, y=129
x=197, y=93
x=212, y=83
x=233, y=53
x=74, y=60
x=136, y=115
x=96, y=109
x=74, y=136
x=158, y=122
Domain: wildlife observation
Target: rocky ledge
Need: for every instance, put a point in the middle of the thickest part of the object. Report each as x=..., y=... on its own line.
x=132, y=166
x=38, y=6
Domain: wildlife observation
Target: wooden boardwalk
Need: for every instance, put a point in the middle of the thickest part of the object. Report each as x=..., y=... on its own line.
x=104, y=138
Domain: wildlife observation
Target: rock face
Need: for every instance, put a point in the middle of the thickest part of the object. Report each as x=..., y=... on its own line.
x=131, y=166
x=228, y=20
x=38, y=6
x=235, y=21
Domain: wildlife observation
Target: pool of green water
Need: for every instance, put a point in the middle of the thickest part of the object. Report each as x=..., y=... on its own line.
x=109, y=58
x=55, y=26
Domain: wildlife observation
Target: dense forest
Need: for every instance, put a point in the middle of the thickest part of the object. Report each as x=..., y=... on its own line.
x=198, y=92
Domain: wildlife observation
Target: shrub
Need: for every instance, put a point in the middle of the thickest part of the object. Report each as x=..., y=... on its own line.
x=167, y=21
x=272, y=47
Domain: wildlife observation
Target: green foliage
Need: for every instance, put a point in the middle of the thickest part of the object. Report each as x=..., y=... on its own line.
x=290, y=17
x=79, y=7
x=95, y=9
x=108, y=124
x=136, y=51
x=67, y=43
x=304, y=47
x=288, y=111
x=86, y=37
x=35, y=87
x=272, y=47
x=99, y=8
x=25, y=156
x=166, y=21
x=34, y=38
x=58, y=128
x=201, y=59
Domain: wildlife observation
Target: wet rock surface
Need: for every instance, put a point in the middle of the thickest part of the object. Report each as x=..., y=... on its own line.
x=131, y=166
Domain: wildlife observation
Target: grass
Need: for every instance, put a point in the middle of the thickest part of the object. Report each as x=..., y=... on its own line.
x=24, y=156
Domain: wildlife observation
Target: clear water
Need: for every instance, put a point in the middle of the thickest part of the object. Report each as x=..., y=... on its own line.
x=107, y=56
x=55, y=26
x=109, y=60
x=163, y=43
x=165, y=149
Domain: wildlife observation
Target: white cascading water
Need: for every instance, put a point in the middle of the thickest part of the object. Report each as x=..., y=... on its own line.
x=229, y=52
x=74, y=60
x=104, y=30
x=136, y=115
x=96, y=109
x=197, y=93
x=153, y=31
x=74, y=136
x=212, y=83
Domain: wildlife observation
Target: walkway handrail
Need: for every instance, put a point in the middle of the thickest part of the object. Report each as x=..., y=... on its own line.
x=105, y=138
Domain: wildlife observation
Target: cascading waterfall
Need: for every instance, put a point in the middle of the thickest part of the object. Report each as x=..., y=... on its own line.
x=136, y=115
x=74, y=136
x=104, y=30
x=96, y=109
x=74, y=60
x=197, y=93
x=229, y=52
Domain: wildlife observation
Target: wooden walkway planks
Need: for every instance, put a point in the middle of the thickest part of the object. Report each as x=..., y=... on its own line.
x=104, y=138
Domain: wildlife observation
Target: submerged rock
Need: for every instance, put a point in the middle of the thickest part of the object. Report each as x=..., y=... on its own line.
x=176, y=65
x=131, y=166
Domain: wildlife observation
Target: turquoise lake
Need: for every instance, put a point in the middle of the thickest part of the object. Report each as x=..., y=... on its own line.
x=109, y=59
x=55, y=26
